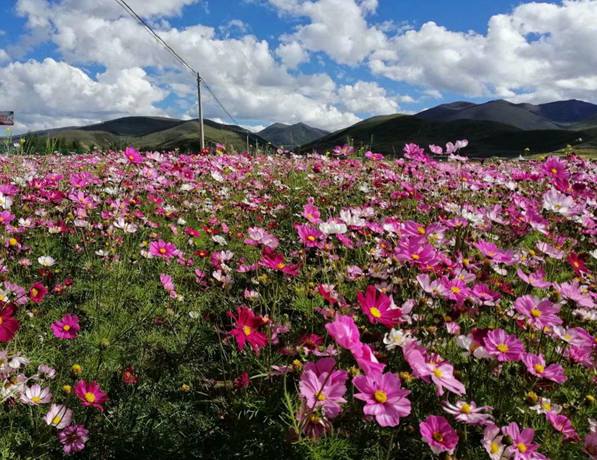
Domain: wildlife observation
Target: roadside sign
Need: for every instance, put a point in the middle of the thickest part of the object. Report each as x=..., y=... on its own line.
x=7, y=118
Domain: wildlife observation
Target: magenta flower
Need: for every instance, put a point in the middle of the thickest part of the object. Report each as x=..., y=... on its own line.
x=246, y=329
x=344, y=331
x=539, y=313
x=73, y=438
x=133, y=156
x=275, y=261
x=66, y=328
x=415, y=252
x=162, y=249
x=502, y=346
x=309, y=236
x=555, y=168
x=90, y=394
x=168, y=285
x=428, y=366
x=590, y=445
x=536, y=365
x=563, y=424
x=384, y=398
x=323, y=388
x=378, y=308
x=438, y=434
x=311, y=213
x=365, y=358
x=9, y=325
x=522, y=447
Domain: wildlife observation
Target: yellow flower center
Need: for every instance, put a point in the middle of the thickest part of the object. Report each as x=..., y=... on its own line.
x=546, y=405
x=56, y=420
x=437, y=436
x=380, y=396
x=36, y=399
x=162, y=251
x=247, y=330
x=131, y=157
x=437, y=372
x=320, y=396
x=12, y=242
x=554, y=171
x=281, y=265
x=34, y=292
x=535, y=313
x=465, y=409
x=494, y=447
x=502, y=347
x=522, y=448
x=66, y=328
x=455, y=289
x=421, y=230
x=311, y=238
x=415, y=256
x=1, y=320
x=539, y=368
x=375, y=312
x=89, y=397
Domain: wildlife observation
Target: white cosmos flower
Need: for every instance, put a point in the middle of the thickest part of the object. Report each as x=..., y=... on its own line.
x=333, y=228
x=46, y=261
x=396, y=338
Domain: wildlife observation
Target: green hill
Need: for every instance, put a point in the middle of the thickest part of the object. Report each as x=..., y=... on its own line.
x=388, y=134
x=147, y=133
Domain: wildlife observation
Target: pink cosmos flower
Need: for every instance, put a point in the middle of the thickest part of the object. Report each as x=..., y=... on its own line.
x=168, y=285
x=555, y=168
x=590, y=445
x=563, y=424
x=522, y=447
x=35, y=395
x=90, y=394
x=162, y=249
x=37, y=293
x=378, y=308
x=492, y=442
x=275, y=261
x=310, y=236
x=66, y=328
x=246, y=329
x=469, y=413
x=384, y=398
x=502, y=346
x=9, y=325
x=366, y=360
x=539, y=313
x=438, y=434
x=536, y=279
x=412, y=251
x=311, y=213
x=491, y=251
x=344, y=331
x=133, y=156
x=59, y=416
x=73, y=438
x=432, y=367
x=536, y=365
x=259, y=236
x=324, y=388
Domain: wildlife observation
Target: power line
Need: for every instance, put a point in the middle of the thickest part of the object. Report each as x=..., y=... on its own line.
x=161, y=41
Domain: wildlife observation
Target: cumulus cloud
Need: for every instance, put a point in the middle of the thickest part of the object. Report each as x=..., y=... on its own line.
x=50, y=93
x=336, y=27
x=536, y=53
x=249, y=77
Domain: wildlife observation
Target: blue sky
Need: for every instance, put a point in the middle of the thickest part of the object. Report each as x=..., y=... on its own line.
x=329, y=63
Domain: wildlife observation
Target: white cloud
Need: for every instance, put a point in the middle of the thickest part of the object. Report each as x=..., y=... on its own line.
x=337, y=28
x=50, y=93
x=4, y=56
x=292, y=54
x=536, y=53
x=244, y=71
x=368, y=98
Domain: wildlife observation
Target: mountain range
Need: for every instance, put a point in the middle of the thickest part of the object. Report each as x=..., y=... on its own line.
x=498, y=128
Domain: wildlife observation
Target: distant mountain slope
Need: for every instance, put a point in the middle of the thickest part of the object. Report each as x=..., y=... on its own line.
x=388, y=134
x=554, y=115
x=291, y=135
x=151, y=133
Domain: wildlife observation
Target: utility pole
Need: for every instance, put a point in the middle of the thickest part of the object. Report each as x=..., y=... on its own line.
x=200, y=113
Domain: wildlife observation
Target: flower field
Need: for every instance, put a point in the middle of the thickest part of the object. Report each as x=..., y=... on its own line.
x=325, y=307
